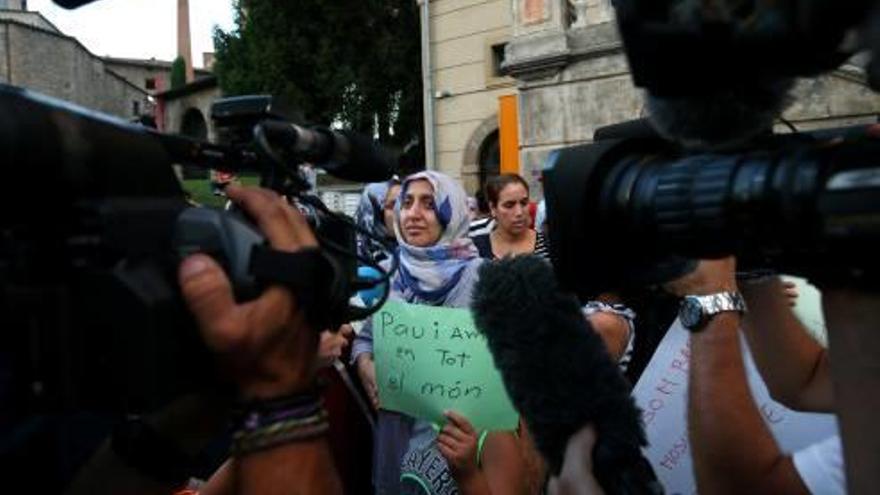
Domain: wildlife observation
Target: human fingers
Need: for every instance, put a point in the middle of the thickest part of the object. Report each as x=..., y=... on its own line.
x=450, y=443
x=459, y=421
x=447, y=452
x=271, y=213
x=454, y=432
x=345, y=330
x=208, y=295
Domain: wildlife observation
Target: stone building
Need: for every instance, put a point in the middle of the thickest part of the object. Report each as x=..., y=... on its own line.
x=467, y=41
x=187, y=110
x=34, y=54
x=572, y=76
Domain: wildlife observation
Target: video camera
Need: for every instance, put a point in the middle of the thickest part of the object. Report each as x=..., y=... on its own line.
x=95, y=224
x=634, y=210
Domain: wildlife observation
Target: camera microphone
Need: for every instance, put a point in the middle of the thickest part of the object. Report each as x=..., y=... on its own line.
x=344, y=154
x=558, y=372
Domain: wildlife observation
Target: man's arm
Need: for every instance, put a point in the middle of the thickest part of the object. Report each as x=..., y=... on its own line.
x=267, y=349
x=733, y=450
x=614, y=330
x=793, y=365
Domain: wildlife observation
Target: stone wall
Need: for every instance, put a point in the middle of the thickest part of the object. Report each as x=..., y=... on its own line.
x=59, y=66
x=4, y=55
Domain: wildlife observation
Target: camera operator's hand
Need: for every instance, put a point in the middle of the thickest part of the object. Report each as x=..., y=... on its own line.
x=366, y=368
x=710, y=277
x=266, y=347
x=265, y=344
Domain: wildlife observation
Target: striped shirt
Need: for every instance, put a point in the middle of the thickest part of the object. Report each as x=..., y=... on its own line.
x=484, y=246
x=481, y=226
x=624, y=312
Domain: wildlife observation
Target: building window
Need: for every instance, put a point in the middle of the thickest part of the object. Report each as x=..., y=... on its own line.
x=136, y=108
x=498, y=59
x=150, y=83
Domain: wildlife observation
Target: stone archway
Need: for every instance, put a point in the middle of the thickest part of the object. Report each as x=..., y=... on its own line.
x=193, y=124
x=475, y=149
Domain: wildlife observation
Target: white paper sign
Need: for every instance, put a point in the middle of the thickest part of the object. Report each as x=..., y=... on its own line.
x=662, y=394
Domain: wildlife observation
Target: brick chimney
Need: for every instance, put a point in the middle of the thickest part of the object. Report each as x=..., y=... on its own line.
x=184, y=41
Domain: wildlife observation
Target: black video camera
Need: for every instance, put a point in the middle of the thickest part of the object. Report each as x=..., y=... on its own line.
x=630, y=212
x=93, y=228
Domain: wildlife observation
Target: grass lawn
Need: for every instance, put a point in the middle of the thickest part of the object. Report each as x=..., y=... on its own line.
x=200, y=189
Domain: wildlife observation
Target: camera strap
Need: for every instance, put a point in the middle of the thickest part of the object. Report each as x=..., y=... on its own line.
x=309, y=273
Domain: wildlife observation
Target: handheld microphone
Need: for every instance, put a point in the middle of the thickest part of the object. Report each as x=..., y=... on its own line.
x=558, y=372
x=344, y=154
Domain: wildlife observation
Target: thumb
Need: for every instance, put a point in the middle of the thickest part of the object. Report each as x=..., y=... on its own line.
x=207, y=291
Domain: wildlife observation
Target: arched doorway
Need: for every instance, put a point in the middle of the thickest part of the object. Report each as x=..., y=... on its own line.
x=490, y=158
x=482, y=154
x=194, y=125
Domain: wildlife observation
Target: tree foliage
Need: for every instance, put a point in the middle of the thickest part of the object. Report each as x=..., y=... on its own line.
x=353, y=62
x=178, y=73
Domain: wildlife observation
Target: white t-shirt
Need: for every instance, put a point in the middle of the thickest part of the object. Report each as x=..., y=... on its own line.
x=820, y=466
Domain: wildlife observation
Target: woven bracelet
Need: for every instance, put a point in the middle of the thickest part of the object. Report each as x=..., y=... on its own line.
x=280, y=432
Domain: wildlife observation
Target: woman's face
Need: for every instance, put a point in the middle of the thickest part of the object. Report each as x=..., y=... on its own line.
x=512, y=210
x=418, y=217
x=388, y=207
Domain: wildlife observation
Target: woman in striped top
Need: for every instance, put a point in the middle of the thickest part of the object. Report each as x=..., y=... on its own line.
x=508, y=196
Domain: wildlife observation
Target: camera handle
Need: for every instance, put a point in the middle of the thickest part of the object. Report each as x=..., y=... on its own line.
x=853, y=321
x=224, y=236
x=251, y=264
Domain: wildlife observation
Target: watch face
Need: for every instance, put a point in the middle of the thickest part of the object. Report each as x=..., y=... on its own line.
x=691, y=313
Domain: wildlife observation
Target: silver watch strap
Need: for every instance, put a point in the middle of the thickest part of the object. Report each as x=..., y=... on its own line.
x=721, y=302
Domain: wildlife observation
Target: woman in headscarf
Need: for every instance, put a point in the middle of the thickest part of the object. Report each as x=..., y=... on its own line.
x=438, y=267
x=374, y=214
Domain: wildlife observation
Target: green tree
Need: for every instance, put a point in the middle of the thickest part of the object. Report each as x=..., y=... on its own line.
x=356, y=63
x=178, y=73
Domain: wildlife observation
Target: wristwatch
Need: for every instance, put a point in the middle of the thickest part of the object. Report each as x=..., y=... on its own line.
x=696, y=311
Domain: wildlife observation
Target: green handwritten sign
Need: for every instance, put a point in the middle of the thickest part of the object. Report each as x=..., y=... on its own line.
x=431, y=359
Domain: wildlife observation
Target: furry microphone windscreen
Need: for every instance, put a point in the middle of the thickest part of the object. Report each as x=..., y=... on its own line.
x=720, y=120
x=558, y=372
